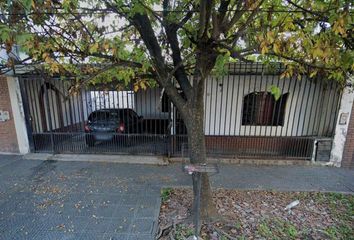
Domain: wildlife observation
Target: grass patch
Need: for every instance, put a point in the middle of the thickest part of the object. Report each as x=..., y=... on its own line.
x=166, y=193
x=277, y=229
x=344, y=228
x=183, y=232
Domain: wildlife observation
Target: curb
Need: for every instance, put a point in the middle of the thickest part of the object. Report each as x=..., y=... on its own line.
x=131, y=159
x=254, y=162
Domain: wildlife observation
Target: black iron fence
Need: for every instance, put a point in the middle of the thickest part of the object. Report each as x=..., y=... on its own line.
x=242, y=117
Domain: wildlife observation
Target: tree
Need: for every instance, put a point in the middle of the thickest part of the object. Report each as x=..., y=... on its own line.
x=179, y=44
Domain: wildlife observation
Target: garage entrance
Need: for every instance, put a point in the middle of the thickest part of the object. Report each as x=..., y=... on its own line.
x=88, y=121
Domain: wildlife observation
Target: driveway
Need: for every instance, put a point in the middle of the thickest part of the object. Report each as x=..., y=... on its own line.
x=85, y=200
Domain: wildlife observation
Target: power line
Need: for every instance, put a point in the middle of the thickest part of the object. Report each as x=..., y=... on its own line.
x=102, y=11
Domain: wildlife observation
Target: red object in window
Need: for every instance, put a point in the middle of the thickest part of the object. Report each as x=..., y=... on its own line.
x=87, y=128
x=266, y=105
x=261, y=109
x=121, y=128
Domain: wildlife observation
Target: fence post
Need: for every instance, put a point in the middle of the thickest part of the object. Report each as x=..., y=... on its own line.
x=27, y=116
x=49, y=115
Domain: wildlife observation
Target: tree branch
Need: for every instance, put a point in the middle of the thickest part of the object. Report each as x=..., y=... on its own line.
x=322, y=18
x=301, y=61
x=116, y=61
x=223, y=10
x=180, y=73
x=205, y=11
x=248, y=21
x=244, y=26
x=143, y=25
x=225, y=25
x=185, y=19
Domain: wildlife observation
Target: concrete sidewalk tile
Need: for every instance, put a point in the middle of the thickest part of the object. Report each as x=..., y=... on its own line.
x=91, y=236
x=98, y=225
x=103, y=199
x=23, y=235
x=142, y=225
x=125, y=211
x=58, y=224
x=140, y=237
x=146, y=211
x=116, y=236
x=107, y=211
x=50, y=235
x=129, y=200
x=150, y=200
x=120, y=225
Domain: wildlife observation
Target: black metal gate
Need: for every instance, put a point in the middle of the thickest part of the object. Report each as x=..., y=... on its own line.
x=242, y=117
x=59, y=119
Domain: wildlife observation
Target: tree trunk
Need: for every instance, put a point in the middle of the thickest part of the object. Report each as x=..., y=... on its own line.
x=197, y=154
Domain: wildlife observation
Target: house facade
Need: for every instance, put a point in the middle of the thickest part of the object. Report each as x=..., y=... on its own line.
x=8, y=138
x=242, y=118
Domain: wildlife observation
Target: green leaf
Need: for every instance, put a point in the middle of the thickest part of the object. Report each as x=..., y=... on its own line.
x=93, y=48
x=275, y=91
x=27, y=4
x=220, y=64
x=5, y=33
x=137, y=8
x=69, y=4
x=23, y=38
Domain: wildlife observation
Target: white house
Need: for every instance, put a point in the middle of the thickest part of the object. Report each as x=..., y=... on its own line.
x=242, y=117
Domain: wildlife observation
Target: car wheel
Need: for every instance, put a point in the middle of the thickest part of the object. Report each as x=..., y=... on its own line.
x=90, y=141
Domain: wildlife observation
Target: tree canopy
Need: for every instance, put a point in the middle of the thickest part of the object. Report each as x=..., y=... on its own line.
x=137, y=37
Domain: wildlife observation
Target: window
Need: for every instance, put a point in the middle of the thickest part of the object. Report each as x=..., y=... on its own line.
x=131, y=114
x=261, y=108
x=103, y=115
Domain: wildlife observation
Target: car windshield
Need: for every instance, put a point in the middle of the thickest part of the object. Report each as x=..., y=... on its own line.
x=127, y=114
x=103, y=116
x=131, y=114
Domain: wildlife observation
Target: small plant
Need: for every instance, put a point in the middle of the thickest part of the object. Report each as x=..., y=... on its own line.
x=332, y=232
x=183, y=232
x=165, y=194
x=264, y=230
x=189, y=232
x=291, y=232
x=276, y=228
x=238, y=225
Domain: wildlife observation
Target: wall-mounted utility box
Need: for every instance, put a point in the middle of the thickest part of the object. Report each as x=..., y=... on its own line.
x=343, y=118
x=4, y=116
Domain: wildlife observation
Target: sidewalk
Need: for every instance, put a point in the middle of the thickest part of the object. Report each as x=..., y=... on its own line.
x=87, y=200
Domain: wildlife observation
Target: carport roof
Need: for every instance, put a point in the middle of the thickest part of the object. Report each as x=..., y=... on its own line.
x=238, y=68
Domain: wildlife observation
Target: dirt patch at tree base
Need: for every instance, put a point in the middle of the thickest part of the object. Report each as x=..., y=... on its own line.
x=261, y=215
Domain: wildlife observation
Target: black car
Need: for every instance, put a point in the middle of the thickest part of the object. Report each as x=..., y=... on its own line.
x=105, y=124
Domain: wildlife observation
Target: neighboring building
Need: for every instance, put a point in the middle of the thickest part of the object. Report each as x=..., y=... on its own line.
x=242, y=118
x=8, y=138
x=348, y=153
